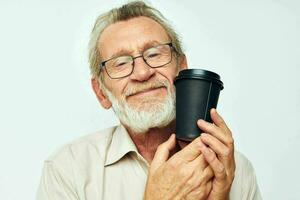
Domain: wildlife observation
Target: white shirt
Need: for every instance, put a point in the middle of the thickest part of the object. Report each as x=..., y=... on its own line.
x=107, y=166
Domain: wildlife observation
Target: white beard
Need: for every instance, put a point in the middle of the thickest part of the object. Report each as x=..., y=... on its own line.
x=150, y=112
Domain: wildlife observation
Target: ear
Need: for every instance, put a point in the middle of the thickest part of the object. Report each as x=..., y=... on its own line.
x=182, y=62
x=104, y=101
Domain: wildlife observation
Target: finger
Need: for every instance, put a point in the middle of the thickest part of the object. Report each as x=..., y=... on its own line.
x=190, y=152
x=202, y=171
x=215, y=131
x=224, y=153
x=208, y=174
x=163, y=151
x=219, y=121
x=208, y=187
x=201, y=191
x=216, y=145
x=199, y=176
x=217, y=167
x=198, y=163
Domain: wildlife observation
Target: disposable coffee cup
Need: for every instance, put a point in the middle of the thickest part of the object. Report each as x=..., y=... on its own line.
x=197, y=91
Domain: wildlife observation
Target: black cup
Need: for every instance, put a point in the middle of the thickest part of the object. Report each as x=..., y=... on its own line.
x=197, y=91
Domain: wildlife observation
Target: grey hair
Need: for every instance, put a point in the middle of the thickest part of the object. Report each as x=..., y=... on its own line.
x=123, y=13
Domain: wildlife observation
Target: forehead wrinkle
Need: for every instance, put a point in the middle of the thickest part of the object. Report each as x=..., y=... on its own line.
x=138, y=30
x=150, y=44
x=121, y=52
x=141, y=48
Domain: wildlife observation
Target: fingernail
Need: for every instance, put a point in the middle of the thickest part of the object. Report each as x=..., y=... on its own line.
x=203, y=136
x=213, y=110
x=171, y=138
x=201, y=121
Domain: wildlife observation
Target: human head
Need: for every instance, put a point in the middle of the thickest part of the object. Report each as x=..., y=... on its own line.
x=131, y=28
x=123, y=13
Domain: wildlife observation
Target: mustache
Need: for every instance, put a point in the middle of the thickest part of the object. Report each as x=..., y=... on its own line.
x=131, y=90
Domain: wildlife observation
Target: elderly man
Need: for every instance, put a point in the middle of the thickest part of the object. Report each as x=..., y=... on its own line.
x=134, y=57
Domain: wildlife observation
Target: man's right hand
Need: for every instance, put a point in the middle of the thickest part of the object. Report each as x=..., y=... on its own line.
x=185, y=175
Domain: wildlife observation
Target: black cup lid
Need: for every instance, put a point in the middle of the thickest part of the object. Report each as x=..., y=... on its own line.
x=199, y=74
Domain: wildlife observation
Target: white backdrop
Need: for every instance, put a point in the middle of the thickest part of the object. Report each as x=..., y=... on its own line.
x=46, y=99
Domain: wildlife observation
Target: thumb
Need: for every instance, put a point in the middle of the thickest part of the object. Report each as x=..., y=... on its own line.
x=162, y=153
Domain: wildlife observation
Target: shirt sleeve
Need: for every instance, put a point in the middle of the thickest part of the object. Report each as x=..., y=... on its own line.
x=253, y=192
x=244, y=186
x=54, y=185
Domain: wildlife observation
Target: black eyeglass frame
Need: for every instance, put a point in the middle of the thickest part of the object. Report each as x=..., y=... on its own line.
x=102, y=64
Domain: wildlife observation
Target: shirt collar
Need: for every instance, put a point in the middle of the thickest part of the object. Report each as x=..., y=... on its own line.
x=121, y=144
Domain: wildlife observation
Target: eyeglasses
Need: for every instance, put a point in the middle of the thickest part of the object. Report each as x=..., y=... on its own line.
x=122, y=66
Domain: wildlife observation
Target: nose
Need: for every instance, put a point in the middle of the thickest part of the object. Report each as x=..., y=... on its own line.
x=142, y=71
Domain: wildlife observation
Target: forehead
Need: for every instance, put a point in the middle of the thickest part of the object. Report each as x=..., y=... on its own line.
x=130, y=35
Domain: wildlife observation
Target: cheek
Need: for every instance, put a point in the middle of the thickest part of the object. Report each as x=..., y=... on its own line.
x=168, y=73
x=116, y=87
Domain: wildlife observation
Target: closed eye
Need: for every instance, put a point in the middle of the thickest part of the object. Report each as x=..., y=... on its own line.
x=121, y=64
x=153, y=55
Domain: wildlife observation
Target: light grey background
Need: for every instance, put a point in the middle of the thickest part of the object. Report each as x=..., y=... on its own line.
x=47, y=101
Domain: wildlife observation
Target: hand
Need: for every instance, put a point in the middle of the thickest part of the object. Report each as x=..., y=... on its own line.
x=186, y=175
x=219, y=154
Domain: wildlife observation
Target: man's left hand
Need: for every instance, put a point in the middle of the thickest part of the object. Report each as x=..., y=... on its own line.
x=218, y=150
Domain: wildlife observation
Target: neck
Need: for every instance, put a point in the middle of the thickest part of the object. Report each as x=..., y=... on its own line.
x=148, y=142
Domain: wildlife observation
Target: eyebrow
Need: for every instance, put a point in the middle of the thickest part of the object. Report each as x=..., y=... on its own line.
x=150, y=44
x=142, y=48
